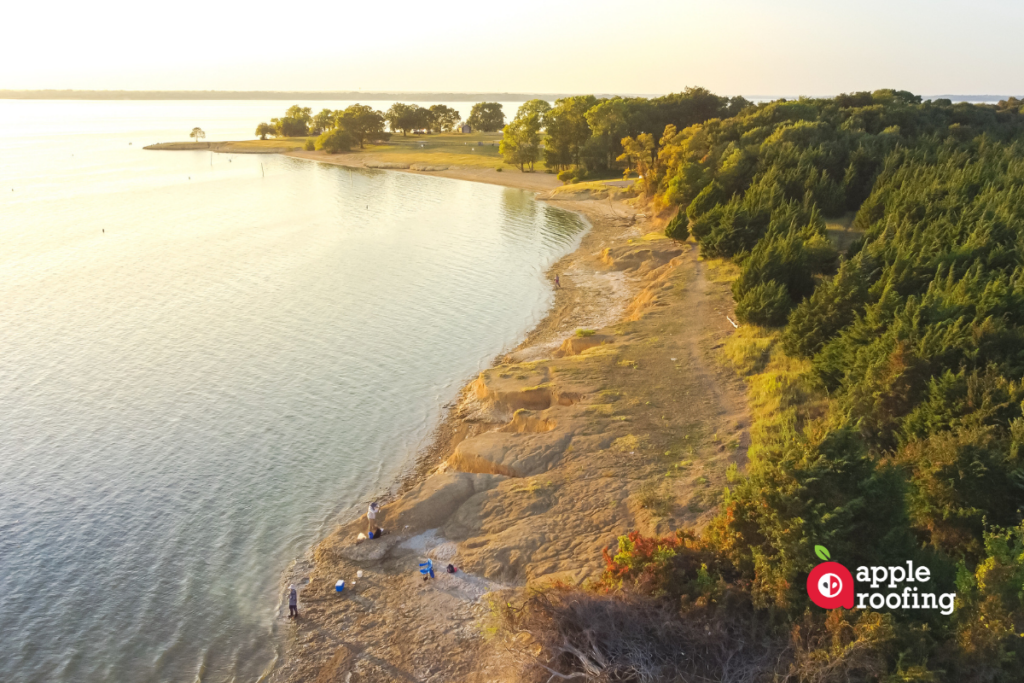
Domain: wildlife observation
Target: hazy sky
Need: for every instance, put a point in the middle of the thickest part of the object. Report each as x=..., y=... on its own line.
x=749, y=47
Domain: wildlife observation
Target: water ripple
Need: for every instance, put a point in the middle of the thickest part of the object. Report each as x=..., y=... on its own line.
x=191, y=396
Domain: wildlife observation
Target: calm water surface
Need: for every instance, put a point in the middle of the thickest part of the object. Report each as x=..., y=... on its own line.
x=205, y=363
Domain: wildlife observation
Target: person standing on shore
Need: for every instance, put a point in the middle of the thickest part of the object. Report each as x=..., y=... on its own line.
x=293, y=602
x=558, y=283
x=371, y=519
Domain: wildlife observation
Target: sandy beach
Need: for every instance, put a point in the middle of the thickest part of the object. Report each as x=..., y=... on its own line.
x=539, y=182
x=615, y=413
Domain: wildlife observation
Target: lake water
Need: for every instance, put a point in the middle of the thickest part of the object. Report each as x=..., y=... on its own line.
x=206, y=361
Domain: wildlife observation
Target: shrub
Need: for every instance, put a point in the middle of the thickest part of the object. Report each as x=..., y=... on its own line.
x=335, y=141
x=567, y=176
x=310, y=145
x=499, y=169
x=679, y=227
x=783, y=259
x=654, y=498
x=707, y=199
x=831, y=307
x=990, y=607
x=765, y=304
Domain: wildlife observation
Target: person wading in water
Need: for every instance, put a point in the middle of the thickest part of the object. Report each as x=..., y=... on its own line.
x=293, y=602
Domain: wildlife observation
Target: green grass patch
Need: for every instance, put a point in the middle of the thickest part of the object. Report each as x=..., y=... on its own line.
x=782, y=392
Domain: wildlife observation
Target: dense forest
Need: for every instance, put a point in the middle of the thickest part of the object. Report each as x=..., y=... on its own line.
x=886, y=377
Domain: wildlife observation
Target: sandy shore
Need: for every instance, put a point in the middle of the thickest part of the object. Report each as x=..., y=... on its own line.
x=566, y=443
x=539, y=182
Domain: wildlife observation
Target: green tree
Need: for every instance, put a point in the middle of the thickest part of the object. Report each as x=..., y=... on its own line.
x=520, y=144
x=289, y=127
x=422, y=119
x=691, y=107
x=828, y=310
x=265, y=129
x=539, y=107
x=335, y=141
x=362, y=122
x=679, y=227
x=321, y=122
x=641, y=155
x=303, y=114
x=486, y=116
x=568, y=131
x=404, y=117
x=443, y=118
x=803, y=492
x=766, y=303
x=613, y=120
x=197, y=134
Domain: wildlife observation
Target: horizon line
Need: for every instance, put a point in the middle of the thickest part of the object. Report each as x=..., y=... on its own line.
x=73, y=93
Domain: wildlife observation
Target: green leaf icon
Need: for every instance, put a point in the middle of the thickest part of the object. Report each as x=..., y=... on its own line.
x=822, y=552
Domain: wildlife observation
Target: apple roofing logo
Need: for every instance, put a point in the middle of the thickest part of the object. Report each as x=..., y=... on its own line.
x=830, y=584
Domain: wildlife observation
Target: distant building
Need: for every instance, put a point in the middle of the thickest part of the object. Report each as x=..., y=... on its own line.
x=465, y=128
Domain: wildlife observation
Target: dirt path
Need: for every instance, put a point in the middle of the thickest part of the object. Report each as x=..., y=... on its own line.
x=710, y=312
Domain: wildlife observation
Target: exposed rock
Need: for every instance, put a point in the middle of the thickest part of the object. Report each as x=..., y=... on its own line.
x=430, y=504
x=369, y=550
x=385, y=164
x=528, y=422
x=517, y=454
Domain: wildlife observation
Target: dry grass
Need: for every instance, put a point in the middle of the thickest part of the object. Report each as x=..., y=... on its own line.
x=782, y=394
x=568, y=634
x=721, y=271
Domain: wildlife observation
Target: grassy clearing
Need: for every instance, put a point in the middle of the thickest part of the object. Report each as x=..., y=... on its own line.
x=783, y=396
x=478, y=150
x=841, y=233
x=272, y=143
x=721, y=271
x=595, y=189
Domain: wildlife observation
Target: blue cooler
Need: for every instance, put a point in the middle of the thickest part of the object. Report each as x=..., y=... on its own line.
x=340, y=586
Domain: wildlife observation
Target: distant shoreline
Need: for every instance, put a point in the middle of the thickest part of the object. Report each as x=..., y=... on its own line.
x=347, y=95
x=269, y=95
